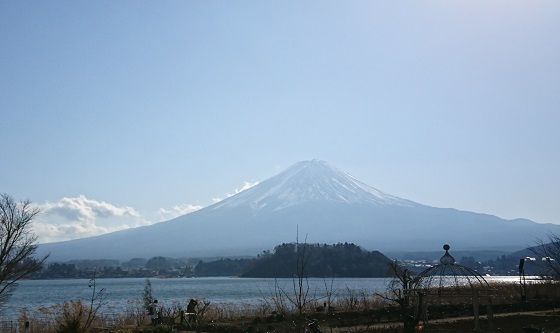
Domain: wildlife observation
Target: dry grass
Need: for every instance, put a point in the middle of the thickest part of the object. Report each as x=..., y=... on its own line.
x=358, y=311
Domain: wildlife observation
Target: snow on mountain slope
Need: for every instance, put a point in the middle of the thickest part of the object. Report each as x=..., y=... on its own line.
x=309, y=181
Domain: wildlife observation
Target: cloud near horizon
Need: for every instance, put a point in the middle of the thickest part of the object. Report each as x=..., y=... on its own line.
x=80, y=217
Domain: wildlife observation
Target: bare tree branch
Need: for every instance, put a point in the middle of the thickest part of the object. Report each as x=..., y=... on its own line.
x=17, y=244
x=548, y=253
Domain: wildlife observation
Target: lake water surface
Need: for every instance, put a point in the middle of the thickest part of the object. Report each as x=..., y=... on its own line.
x=34, y=294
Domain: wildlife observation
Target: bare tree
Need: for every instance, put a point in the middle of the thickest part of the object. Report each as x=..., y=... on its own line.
x=398, y=291
x=17, y=244
x=549, y=254
x=96, y=302
x=330, y=294
x=400, y=284
x=300, y=298
x=76, y=317
x=278, y=299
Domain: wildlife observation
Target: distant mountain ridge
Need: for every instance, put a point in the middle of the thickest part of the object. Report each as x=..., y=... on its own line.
x=324, y=205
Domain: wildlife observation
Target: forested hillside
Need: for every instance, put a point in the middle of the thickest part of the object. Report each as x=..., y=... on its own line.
x=315, y=260
x=340, y=260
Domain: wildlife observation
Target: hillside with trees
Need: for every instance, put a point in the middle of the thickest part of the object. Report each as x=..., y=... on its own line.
x=223, y=267
x=321, y=260
x=339, y=260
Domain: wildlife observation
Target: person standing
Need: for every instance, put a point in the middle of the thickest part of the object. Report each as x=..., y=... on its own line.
x=154, y=311
x=191, y=311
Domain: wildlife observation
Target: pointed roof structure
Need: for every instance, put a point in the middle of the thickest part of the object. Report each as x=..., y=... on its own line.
x=449, y=277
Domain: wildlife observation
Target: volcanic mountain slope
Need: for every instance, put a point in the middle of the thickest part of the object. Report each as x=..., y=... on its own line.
x=316, y=203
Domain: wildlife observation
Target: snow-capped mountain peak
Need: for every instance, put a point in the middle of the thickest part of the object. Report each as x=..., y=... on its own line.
x=307, y=181
x=315, y=199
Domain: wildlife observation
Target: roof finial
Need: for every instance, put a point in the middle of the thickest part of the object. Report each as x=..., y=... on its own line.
x=447, y=259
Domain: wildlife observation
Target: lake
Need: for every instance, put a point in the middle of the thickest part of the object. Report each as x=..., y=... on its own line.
x=34, y=294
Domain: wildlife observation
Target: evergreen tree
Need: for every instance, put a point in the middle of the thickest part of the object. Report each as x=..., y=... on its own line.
x=147, y=296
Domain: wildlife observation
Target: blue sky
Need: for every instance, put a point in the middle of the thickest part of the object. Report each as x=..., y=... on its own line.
x=117, y=114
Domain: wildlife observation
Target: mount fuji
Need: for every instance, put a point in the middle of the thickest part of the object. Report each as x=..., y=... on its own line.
x=319, y=203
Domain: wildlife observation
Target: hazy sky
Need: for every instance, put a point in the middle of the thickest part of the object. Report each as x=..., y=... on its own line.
x=117, y=114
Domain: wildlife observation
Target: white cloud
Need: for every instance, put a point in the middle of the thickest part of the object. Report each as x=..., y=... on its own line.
x=246, y=186
x=79, y=217
x=82, y=208
x=177, y=210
